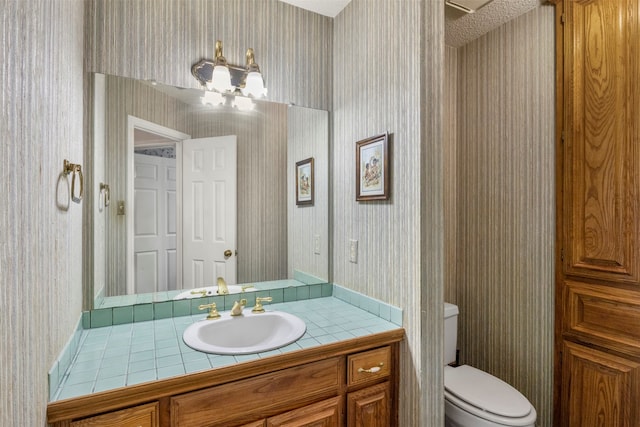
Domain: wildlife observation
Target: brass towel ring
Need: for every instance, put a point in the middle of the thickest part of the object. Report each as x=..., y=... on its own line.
x=76, y=170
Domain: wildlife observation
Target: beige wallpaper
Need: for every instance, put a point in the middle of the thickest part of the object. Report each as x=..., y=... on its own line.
x=388, y=78
x=163, y=38
x=41, y=87
x=308, y=136
x=505, y=173
x=450, y=134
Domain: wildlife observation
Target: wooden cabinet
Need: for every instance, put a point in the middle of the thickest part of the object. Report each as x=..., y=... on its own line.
x=309, y=387
x=598, y=213
x=257, y=397
x=597, y=387
x=370, y=407
x=327, y=413
x=139, y=416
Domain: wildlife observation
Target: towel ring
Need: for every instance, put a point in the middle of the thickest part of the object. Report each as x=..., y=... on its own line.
x=76, y=170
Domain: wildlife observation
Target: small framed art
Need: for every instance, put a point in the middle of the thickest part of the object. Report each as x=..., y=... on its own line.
x=372, y=168
x=304, y=182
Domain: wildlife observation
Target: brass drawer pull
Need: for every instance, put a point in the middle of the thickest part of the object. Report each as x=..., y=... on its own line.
x=372, y=370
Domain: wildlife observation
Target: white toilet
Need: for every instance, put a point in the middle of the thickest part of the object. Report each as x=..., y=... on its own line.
x=473, y=398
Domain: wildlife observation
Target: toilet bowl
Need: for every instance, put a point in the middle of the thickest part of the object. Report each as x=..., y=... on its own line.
x=474, y=398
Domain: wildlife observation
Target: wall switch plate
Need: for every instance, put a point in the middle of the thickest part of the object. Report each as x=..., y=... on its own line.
x=353, y=251
x=316, y=244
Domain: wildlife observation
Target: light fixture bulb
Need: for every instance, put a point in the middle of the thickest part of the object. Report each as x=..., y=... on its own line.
x=212, y=98
x=254, y=85
x=243, y=104
x=221, y=79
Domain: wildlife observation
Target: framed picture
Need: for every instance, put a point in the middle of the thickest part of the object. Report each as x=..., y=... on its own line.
x=304, y=182
x=372, y=168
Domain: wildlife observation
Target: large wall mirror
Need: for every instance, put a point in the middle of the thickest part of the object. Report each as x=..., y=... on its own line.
x=184, y=192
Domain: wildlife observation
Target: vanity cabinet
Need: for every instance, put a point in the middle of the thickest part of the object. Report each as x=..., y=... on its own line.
x=597, y=353
x=139, y=416
x=349, y=383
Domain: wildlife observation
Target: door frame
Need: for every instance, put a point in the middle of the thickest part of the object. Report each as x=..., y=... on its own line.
x=134, y=123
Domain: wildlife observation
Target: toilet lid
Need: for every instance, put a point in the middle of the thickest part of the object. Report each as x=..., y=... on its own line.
x=485, y=391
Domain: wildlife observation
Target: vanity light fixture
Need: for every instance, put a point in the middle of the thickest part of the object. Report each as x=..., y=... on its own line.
x=221, y=77
x=253, y=84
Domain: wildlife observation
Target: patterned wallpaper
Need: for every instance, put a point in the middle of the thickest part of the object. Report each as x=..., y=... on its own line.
x=505, y=173
x=40, y=245
x=388, y=63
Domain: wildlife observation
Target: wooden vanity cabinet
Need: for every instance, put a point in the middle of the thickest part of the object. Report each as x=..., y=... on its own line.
x=351, y=383
x=139, y=416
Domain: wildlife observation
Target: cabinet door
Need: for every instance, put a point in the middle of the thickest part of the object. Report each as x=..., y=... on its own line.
x=601, y=167
x=327, y=413
x=598, y=389
x=139, y=416
x=370, y=407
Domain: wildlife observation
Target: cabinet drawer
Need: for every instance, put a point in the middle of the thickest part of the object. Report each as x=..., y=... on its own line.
x=368, y=366
x=327, y=413
x=139, y=416
x=259, y=397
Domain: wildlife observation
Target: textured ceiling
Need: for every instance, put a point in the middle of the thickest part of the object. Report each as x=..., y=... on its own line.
x=460, y=28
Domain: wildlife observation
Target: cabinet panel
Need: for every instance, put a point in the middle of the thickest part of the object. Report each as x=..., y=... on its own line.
x=257, y=397
x=598, y=389
x=605, y=316
x=139, y=416
x=327, y=413
x=370, y=407
x=601, y=167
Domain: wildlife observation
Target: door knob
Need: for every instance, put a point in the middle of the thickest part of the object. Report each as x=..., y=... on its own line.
x=228, y=253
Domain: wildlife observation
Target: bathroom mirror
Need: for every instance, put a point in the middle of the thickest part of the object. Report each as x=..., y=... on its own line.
x=148, y=139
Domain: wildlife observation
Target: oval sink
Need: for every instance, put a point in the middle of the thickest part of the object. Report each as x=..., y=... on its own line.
x=245, y=334
x=211, y=291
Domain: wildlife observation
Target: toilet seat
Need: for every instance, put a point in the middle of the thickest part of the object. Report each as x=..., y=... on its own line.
x=487, y=397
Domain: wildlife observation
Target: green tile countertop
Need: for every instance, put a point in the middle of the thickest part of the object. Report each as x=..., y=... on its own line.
x=133, y=353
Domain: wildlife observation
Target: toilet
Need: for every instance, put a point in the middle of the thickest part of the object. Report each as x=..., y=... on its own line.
x=474, y=398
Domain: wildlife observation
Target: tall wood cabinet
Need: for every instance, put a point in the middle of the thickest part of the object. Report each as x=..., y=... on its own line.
x=597, y=350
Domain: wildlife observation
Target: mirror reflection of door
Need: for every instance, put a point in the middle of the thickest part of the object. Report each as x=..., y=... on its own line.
x=155, y=222
x=209, y=210
x=181, y=209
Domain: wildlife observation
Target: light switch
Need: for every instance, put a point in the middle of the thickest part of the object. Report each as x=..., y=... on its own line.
x=353, y=251
x=316, y=244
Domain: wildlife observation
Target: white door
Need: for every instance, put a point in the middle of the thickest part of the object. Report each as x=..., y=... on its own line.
x=209, y=210
x=154, y=224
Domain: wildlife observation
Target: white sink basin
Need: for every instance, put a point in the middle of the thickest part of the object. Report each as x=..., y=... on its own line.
x=245, y=334
x=211, y=291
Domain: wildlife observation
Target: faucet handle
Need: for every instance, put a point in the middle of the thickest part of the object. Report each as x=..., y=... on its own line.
x=202, y=292
x=259, y=300
x=213, y=311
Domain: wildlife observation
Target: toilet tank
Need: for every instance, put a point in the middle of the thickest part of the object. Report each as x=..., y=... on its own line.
x=450, y=332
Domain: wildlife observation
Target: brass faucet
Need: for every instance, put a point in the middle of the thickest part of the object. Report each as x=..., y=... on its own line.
x=222, y=287
x=259, y=308
x=237, y=307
